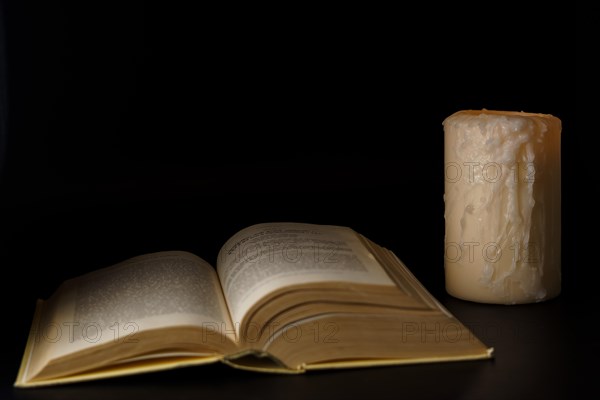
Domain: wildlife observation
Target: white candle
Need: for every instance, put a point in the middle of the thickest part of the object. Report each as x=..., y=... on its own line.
x=502, y=198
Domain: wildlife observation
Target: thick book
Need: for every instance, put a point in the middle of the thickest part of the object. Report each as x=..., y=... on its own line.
x=284, y=297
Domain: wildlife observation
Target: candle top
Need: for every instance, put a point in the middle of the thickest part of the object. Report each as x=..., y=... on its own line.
x=479, y=116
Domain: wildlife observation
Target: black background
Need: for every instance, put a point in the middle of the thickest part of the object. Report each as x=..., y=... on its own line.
x=141, y=127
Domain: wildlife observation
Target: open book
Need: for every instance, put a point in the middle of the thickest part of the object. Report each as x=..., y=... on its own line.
x=285, y=297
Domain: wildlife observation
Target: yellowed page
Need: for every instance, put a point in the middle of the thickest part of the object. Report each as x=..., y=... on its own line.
x=266, y=257
x=113, y=304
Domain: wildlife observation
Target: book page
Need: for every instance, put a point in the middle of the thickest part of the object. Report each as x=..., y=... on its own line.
x=157, y=290
x=267, y=257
